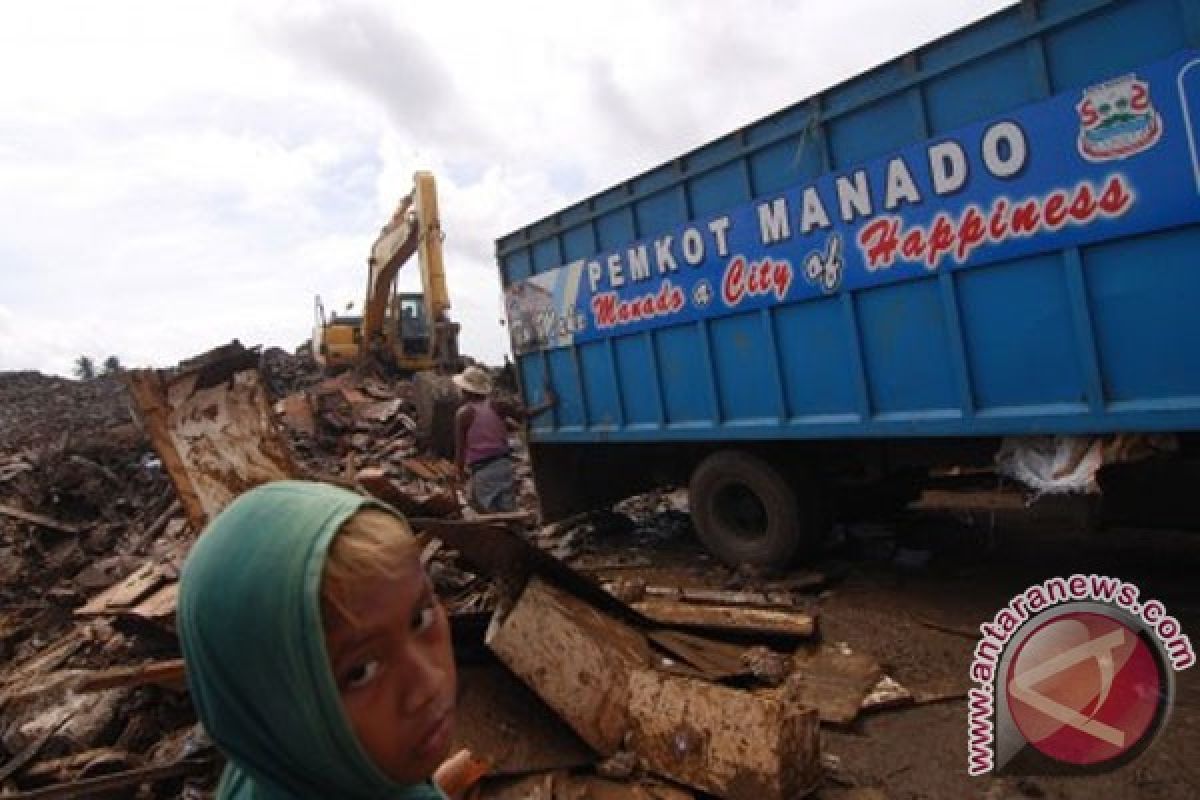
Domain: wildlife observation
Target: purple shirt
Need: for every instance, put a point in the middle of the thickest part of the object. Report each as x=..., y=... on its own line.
x=487, y=435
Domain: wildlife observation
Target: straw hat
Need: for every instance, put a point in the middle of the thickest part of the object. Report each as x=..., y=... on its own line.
x=474, y=380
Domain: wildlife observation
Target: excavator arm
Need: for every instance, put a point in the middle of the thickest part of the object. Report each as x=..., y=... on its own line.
x=429, y=246
x=415, y=227
x=395, y=245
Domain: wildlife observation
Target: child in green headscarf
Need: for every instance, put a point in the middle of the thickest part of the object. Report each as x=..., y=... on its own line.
x=318, y=657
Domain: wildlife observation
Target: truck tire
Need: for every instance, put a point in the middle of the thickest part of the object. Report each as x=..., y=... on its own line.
x=745, y=512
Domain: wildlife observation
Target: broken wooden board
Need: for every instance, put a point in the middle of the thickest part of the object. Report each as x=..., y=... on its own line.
x=733, y=743
x=106, y=784
x=501, y=721
x=834, y=680
x=430, y=469
x=158, y=607
x=16, y=621
x=38, y=519
x=380, y=412
x=519, y=518
x=405, y=498
x=728, y=618
x=169, y=674
x=575, y=658
x=73, y=767
x=502, y=554
x=128, y=592
x=772, y=599
x=19, y=760
x=715, y=660
x=212, y=425
x=297, y=413
x=561, y=785
x=48, y=659
x=80, y=720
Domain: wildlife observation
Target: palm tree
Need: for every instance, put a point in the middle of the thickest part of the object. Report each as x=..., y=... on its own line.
x=85, y=368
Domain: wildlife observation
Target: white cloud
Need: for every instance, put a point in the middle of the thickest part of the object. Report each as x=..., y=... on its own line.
x=176, y=175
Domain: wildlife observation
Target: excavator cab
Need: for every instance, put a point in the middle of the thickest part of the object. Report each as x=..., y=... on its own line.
x=412, y=325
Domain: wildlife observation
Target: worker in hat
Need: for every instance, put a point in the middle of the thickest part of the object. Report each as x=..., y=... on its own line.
x=481, y=450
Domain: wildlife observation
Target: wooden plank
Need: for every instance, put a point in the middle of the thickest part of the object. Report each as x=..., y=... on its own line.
x=730, y=618
x=161, y=673
x=834, y=680
x=147, y=389
x=127, y=592
x=420, y=469
x=18, y=762
x=67, y=768
x=93, y=787
x=716, y=660
x=778, y=600
x=500, y=553
x=38, y=519
x=47, y=660
x=730, y=742
x=575, y=658
x=159, y=607
x=520, y=517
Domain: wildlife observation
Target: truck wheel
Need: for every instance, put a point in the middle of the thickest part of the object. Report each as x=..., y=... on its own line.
x=746, y=513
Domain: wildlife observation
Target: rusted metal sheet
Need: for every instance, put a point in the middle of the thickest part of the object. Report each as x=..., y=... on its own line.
x=211, y=423
x=730, y=742
x=575, y=658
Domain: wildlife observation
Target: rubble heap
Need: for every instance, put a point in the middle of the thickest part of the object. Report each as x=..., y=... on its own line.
x=586, y=669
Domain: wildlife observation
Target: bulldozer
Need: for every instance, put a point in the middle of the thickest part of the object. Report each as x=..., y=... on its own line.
x=405, y=333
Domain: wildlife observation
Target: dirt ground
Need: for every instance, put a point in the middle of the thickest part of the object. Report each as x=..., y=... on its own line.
x=979, y=556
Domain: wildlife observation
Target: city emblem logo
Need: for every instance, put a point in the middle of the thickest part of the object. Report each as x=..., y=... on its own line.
x=1117, y=120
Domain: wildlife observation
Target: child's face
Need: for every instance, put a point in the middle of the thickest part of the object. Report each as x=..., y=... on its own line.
x=395, y=672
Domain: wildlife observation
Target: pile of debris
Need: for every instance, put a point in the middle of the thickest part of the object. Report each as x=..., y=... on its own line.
x=90, y=691
x=584, y=673
x=97, y=513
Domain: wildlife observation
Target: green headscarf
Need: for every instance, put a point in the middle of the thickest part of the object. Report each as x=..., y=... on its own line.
x=259, y=675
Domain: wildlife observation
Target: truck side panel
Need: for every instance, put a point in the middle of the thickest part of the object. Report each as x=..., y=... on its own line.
x=1095, y=336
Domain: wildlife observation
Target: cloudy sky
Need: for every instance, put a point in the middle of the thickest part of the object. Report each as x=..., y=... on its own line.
x=174, y=175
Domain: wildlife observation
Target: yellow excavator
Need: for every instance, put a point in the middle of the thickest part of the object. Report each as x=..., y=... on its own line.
x=404, y=332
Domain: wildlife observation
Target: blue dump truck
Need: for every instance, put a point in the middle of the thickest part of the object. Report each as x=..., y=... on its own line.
x=996, y=234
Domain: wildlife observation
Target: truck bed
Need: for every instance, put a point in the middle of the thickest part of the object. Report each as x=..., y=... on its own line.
x=994, y=234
